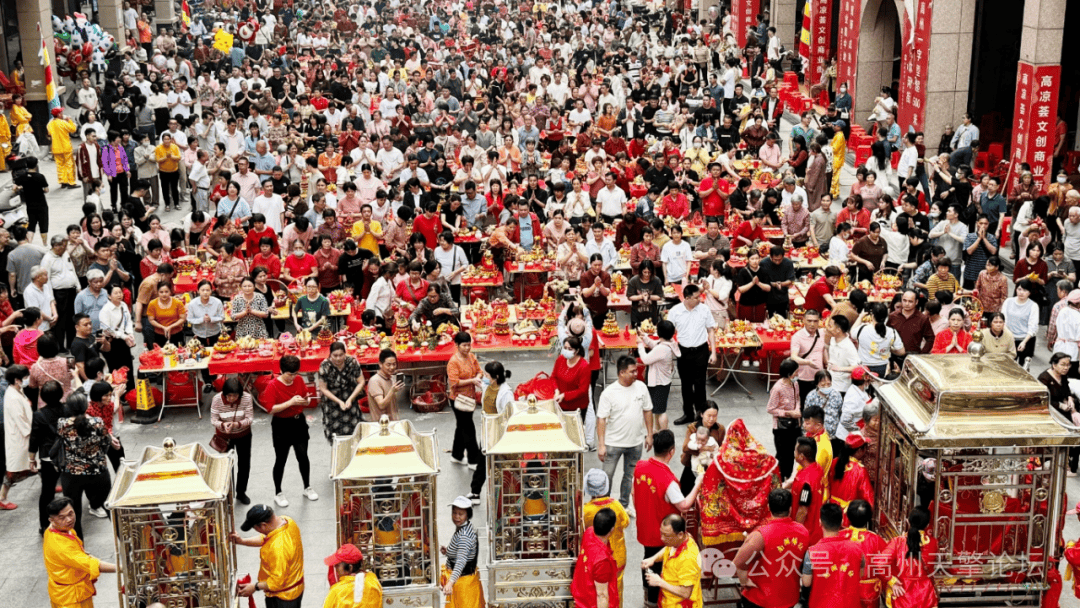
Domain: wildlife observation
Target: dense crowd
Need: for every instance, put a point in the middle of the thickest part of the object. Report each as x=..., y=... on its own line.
x=359, y=146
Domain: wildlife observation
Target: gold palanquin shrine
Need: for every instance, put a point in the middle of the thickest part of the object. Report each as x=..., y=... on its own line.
x=974, y=440
x=172, y=513
x=534, y=458
x=384, y=487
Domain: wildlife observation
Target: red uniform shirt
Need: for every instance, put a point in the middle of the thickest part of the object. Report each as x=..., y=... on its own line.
x=595, y=564
x=872, y=545
x=815, y=295
x=430, y=228
x=712, y=204
x=277, y=392
x=775, y=572
x=271, y=263
x=651, y=481
x=837, y=567
x=913, y=574
x=749, y=231
x=809, y=491
x=300, y=267
x=854, y=486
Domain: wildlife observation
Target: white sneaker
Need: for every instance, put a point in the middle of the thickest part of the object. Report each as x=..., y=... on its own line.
x=630, y=511
x=456, y=461
x=281, y=501
x=98, y=513
x=472, y=467
x=310, y=494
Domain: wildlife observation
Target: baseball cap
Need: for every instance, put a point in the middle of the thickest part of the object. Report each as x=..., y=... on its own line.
x=256, y=515
x=855, y=440
x=347, y=554
x=859, y=373
x=462, y=502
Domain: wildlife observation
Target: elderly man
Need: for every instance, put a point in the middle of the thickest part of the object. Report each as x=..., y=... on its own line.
x=1070, y=228
x=789, y=190
x=913, y=326
x=65, y=285
x=796, y=221
x=709, y=245
x=91, y=300
x=680, y=580
x=71, y=570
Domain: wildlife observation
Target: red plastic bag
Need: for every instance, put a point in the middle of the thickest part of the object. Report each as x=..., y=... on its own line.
x=541, y=385
x=179, y=387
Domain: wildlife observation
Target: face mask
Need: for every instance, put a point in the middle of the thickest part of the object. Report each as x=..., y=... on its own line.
x=568, y=353
x=299, y=254
x=697, y=144
x=843, y=90
x=484, y=383
x=1062, y=179
x=934, y=214
x=26, y=381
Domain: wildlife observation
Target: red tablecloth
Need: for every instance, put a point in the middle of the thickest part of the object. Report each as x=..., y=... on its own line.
x=495, y=281
x=621, y=341
x=512, y=267
x=183, y=283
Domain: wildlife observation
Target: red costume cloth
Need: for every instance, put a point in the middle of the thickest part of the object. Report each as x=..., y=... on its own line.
x=595, y=564
x=773, y=572
x=854, y=486
x=913, y=574
x=651, y=481
x=871, y=545
x=810, y=479
x=837, y=571
x=735, y=489
x=944, y=340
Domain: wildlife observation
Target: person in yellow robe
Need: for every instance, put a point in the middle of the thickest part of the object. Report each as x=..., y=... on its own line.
x=20, y=116
x=345, y=593
x=281, y=556
x=60, y=130
x=839, y=155
x=598, y=486
x=72, y=572
x=5, y=139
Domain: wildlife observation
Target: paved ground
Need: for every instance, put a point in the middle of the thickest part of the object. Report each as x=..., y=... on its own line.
x=24, y=576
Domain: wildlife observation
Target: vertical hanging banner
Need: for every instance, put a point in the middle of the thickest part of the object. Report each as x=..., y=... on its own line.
x=820, y=39
x=1021, y=110
x=1034, y=118
x=915, y=59
x=805, y=36
x=742, y=13
x=847, y=52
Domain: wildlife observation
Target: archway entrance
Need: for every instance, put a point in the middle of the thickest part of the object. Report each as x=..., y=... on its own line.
x=879, y=54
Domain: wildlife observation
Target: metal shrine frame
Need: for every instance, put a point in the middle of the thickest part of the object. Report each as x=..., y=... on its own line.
x=172, y=513
x=534, y=454
x=384, y=487
x=997, y=490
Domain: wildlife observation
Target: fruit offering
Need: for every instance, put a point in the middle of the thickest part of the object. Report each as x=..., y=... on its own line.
x=887, y=281
x=502, y=323
x=325, y=337
x=339, y=300
x=647, y=327
x=780, y=327
x=225, y=344
x=618, y=283
x=669, y=291
x=610, y=328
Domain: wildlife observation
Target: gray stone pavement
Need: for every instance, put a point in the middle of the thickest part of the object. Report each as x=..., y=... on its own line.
x=24, y=576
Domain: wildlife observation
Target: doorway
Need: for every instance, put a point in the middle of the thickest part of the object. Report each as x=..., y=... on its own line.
x=879, y=54
x=994, y=56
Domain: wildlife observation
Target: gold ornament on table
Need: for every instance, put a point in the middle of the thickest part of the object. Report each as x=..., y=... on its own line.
x=610, y=328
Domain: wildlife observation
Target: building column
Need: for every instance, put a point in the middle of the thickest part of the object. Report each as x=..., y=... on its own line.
x=948, y=77
x=30, y=13
x=111, y=19
x=1037, y=83
x=164, y=14
x=783, y=17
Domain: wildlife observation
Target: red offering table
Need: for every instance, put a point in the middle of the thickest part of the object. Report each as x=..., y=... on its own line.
x=494, y=281
x=189, y=282
x=619, y=341
x=775, y=347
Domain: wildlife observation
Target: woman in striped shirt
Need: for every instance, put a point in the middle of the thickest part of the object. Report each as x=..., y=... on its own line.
x=232, y=412
x=460, y=578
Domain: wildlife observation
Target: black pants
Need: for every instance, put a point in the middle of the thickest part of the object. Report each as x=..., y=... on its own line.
x=242, y=445
x=289, y=433
x=652, y=594
x=64, y=328
x=49, y=477
x=170, y=188
x=115, y=455
x=805, y=386
x=480, y=476
x=465, y=444
x=693, y=371
x=1026, y=353
x=455, y=293
x=119, y=355
x=96, y=488
x=784, y=441
x=118, y=188
x=275, y=602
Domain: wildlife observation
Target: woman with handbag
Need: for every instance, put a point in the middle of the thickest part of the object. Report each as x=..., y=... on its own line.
x=232, y=412
x=463, y=382
x=784, y=409
x=660, y=357
x=340, y=382
x=1061, y=399
x=80, y=454
x=101, y=405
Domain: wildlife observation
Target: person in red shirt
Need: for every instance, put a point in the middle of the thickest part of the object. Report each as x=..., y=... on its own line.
x=327, y=259
x=854, y=214
x=909, y=563
x=859, y=514
x=596, y=575
x=848, y=479
x=675, y=204
x=285, y=398
x=637, y=145
x=657, y=495
x=258, y=230
x=834, y=566
x=819, y=296
x=428, y=224
x=155, y=256
x=711, y=193
x=771, y=555
x=300, y=265
x=808, y=488
x=265, y=258
x=571, y=373
x=750, y=231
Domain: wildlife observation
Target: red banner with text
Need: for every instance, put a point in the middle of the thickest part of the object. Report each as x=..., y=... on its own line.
x=1034, y=118
x=847, y=52
x=742, y=19
x=914, y=61
x=820, y=39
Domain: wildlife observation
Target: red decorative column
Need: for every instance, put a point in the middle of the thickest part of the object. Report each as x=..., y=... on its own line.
x=847, y=51
x=1034, y=118
x=820, y=39
x=914, y=61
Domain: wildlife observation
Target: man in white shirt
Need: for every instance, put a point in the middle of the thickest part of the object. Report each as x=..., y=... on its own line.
x=88, y=99
x=675, y=257
x=611, y=199
x=388, y=106
x=908, y=159
x=271, y=206
x=65, y=286
x=131, y=19
x=623, y=423
x=180, y=104
x=694, y=329
x=578, y=116
x=789, y=190
x=598, y=244
x=390, y=160
x=773, y=49
x=200, y=182
x=558, y=90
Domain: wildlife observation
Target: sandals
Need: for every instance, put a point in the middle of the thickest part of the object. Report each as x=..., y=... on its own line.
x=8, y=506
